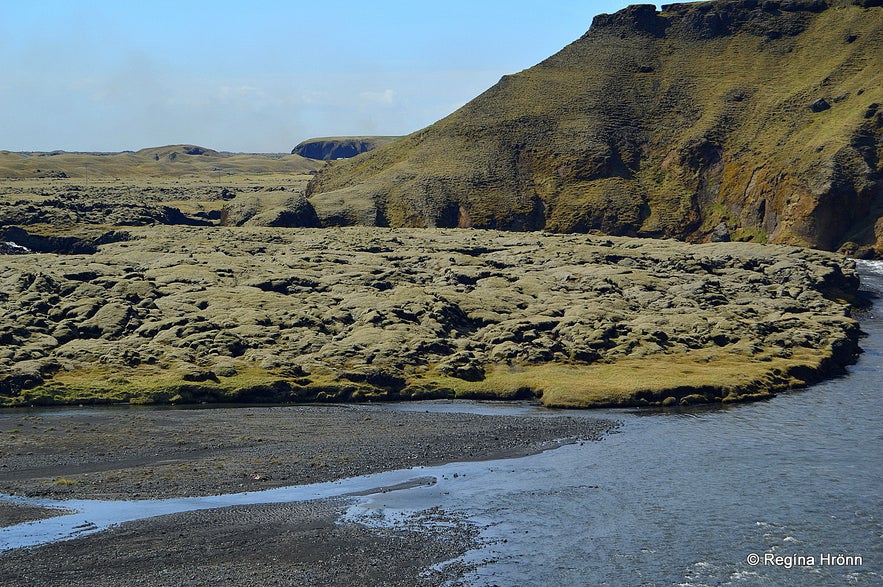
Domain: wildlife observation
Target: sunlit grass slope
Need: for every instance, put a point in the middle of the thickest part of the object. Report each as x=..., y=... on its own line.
x=663, y=123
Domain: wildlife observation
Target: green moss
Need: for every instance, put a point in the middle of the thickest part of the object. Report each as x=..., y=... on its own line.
x=150, y=385
x=714, y=214
x=755, y=235
x=691, y=377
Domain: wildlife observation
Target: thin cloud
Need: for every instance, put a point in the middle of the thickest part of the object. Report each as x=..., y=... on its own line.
x=385, y=97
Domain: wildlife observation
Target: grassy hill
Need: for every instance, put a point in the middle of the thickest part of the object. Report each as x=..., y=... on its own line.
x=167, y=161
x=730, y=119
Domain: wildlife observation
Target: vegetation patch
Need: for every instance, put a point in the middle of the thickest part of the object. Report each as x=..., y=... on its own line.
x=696, y=377
x=626, y=132
x=259, y=314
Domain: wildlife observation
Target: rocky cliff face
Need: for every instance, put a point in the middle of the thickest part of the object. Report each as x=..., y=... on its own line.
x=732, y=119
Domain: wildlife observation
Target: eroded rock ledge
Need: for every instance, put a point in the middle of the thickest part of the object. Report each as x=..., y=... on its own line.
x=180, y=314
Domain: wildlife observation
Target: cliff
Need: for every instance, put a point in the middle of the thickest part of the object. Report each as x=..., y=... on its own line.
x=332, y=148
x=724, y=120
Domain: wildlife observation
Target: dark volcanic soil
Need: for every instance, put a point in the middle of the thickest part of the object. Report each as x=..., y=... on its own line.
x=135, y=453
x=126, y=453
x=282, y=544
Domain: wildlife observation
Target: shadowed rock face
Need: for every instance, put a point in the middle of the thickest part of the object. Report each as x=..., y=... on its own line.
x=329, y=149
x=761, y=116
x=17, y=241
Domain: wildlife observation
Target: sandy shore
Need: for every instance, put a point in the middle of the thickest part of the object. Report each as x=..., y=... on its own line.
x=122, y=454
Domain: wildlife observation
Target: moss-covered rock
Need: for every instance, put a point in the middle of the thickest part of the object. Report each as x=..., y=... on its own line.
x=261, y=314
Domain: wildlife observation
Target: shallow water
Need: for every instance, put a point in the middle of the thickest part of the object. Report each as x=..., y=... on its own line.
x=678, y=497
x=685, y=497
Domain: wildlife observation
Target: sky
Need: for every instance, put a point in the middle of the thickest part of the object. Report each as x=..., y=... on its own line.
x=106, y=75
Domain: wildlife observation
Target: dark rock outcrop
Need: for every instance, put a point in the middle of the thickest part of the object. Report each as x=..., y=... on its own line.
x=72, y=245
x=820, y=105
x=329, y=149
x=11, y=248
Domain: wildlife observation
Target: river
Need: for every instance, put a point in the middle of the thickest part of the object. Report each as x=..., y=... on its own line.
x=780, y=492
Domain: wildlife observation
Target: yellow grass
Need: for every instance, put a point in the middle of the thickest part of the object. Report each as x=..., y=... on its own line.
x=685, y=378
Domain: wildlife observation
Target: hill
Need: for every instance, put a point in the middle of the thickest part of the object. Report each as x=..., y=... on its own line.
x=731, y=119
x=331, y=148
x=167, y=161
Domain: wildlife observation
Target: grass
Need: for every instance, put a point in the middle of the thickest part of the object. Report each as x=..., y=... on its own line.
x=755, y=235
x=565, y=129
x=151, y=385
x=696, y=377
x=168, y=161
x=704, y=376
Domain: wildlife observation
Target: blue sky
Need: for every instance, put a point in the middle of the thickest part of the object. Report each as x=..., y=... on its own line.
x=106, y=75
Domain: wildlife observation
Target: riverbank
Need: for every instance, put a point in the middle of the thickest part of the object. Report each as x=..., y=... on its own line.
x=142, y=454
x=145, y=454
x=278, y=544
